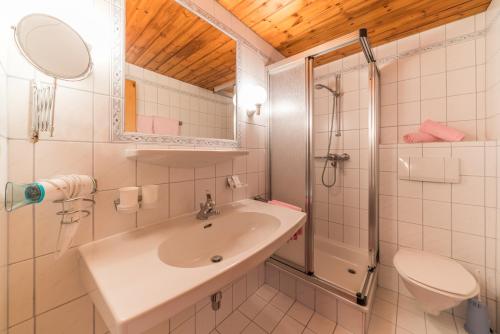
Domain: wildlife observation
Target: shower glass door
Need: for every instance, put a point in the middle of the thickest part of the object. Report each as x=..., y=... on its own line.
x=341, y=149
x=323, y=141
x=288, y=150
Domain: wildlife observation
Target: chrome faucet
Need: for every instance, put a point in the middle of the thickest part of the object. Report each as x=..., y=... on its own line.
x=207, y=209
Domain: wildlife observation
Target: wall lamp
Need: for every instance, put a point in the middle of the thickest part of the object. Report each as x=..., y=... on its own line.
x=252, y=98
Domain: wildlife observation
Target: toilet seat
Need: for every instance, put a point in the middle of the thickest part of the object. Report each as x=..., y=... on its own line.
x=435, y=272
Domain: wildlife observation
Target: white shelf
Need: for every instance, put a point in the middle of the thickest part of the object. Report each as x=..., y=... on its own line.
x=182, y=158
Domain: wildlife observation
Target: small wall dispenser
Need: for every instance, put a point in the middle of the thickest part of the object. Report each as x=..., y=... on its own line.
x=130, y=200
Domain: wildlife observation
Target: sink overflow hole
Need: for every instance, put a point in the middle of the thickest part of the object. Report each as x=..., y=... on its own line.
x=351, y=271
x=216, y=258
x=207, y=226
x=216, y=299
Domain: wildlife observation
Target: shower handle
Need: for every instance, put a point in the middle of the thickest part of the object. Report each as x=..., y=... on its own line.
x=335, y=157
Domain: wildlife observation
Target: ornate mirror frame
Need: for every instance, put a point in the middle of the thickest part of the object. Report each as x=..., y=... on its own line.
x=118, y=84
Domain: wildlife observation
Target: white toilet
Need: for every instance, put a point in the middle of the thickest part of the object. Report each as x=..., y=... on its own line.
x=437, y=283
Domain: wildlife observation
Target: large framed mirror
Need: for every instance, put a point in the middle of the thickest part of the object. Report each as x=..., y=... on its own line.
x=175, y=76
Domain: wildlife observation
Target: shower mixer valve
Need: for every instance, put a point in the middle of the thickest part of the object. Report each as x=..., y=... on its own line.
x=336, y=158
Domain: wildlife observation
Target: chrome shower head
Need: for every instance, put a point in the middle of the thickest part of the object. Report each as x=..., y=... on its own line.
x=321, y=86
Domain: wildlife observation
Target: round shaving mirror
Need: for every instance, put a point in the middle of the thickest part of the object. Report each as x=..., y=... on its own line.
x=53, y=47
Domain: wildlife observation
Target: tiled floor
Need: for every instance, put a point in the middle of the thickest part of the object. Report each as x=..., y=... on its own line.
x=399, y=314
x=270, y=311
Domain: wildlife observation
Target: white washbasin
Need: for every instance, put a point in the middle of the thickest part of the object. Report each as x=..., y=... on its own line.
x=225, y=237
x=141, y=278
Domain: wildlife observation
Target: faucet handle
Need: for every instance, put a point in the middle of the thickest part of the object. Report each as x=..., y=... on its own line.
x=210, y=201
x=209, y=196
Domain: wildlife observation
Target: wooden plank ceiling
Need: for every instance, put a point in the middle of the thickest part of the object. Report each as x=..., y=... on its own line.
x=164, y=37
x=292, y=26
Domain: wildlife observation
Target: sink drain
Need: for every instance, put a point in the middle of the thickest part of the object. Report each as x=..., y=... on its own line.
x=216, y=258
x=351, y=271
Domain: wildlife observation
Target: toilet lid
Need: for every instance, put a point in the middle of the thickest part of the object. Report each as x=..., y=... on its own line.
x=435, y=271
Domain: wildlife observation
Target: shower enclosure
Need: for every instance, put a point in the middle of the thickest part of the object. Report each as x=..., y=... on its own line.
x=323, y=157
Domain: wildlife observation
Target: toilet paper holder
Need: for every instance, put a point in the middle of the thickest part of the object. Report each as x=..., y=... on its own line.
x=116, y=203
x=147, y=199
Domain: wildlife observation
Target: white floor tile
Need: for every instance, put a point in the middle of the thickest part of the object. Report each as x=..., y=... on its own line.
x=460, y=325
x=341, y=330
x=253, y=329
x=385, y=310
x=282, y=301
x=269, y=318
x=400, y=330
x=300, y=312
x=288, y=325
x=252, y=306
x=321, y=325
x=409, y=304
x=412, y=322
x=276, y=313
x=442, y=324
x=379, y=325
x=387, y=295
x=233, y=324
x=267, y=292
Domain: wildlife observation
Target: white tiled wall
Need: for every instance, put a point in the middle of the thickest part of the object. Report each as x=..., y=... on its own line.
x=202, y=112
x=438, y=74
x=493, y=69
x=45, y=294
x=454, y=220
x=342, y=211
x=3, y=215
x=493, y=101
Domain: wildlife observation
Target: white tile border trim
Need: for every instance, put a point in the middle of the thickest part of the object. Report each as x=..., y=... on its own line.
x=412, y=52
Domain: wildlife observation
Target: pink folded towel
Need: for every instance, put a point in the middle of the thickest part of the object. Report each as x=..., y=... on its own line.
x=285, y=205
x=441, y=131
x=419, y=137
x=165, y=126
x=296, y=235
x=144, y=124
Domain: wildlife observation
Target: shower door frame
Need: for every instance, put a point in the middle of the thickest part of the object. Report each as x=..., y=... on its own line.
x=307, y=58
